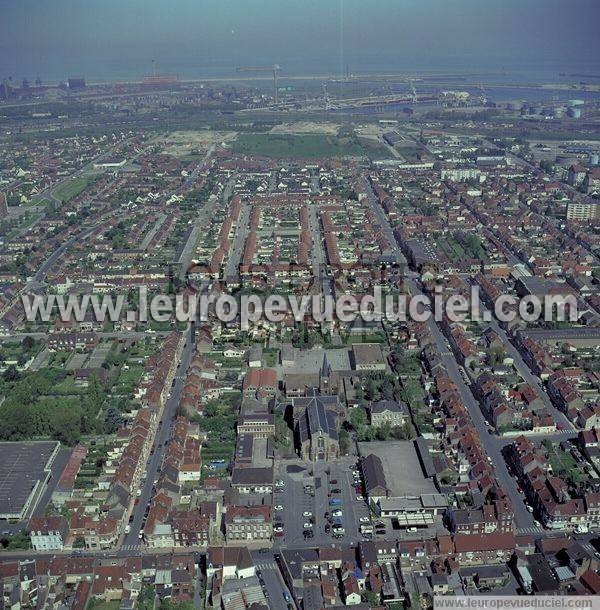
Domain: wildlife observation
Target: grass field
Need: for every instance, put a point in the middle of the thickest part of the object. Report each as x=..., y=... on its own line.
x=71, y=189
x=306, y=146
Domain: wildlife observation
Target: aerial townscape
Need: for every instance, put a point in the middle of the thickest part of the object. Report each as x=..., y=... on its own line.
x=156, y=462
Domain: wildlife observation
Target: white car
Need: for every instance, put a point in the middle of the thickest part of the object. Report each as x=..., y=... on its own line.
x=278, y=507
x=278, y=528
x=337, y=513
x=364, y=519
x=308, y=525
x=307, y=513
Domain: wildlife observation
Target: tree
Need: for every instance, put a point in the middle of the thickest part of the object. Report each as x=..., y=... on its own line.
x=496, y=355
x=403, y=433
x=370, y=597
x=281, y=431
x=67, y=425
x=384, y=431
x=28, y=343
x=358, y=418
x=17, y=541
x=211, y=409
x=11, y=374
x=344, y=440
x=371, y=389
x=387, y=389
x=146, y=598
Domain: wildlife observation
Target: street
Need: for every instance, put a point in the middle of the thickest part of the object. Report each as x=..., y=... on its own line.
x=237, y=246
x=271, y=579
x=131, y=541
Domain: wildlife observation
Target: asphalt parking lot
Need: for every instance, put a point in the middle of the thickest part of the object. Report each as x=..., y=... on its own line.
x=313, y=494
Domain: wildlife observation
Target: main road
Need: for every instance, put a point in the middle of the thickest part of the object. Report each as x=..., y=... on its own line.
x=131, y=541
x=185, y=258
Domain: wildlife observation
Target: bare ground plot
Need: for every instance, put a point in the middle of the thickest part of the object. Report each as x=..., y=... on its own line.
x=187, y=143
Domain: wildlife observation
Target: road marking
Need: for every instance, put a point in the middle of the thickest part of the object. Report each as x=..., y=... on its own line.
x=530, y=530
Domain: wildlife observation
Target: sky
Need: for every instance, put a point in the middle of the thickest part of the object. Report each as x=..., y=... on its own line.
x=112, y=39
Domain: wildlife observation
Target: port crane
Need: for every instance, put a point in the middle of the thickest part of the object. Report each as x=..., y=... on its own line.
x=275, y=70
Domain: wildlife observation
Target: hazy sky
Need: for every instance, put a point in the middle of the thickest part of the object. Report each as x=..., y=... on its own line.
x=116, y=38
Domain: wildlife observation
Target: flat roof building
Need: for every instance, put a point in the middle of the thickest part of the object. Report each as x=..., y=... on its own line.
x=24, y=473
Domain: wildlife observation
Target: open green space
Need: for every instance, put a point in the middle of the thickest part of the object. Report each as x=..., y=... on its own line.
x=564, y=464
x=306, y=146
x=38, y=406
x=69, y=190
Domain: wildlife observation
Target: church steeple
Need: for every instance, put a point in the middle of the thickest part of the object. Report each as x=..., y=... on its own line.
x=325, y=368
